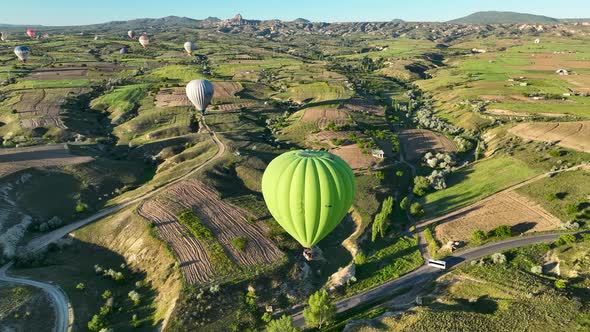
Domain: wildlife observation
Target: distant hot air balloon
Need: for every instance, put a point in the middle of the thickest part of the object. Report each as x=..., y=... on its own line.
x=131, y=34
x=31, y=33
x=189, y=47
x=308, y=192
x=200, y=92
x=144, y=40
x=124, y=50
x=22, y=52
x=3, y=36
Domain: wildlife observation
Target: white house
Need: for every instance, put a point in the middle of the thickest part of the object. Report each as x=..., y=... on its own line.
x=378, y=153
x=562, y=72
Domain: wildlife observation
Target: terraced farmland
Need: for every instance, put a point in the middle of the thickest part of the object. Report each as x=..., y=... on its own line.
x=225, y=221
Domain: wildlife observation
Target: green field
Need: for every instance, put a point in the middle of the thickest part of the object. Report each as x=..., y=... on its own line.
x=564, y=195
x=475, y=182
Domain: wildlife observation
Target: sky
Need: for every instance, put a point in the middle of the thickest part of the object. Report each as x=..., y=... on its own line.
x=79, y=12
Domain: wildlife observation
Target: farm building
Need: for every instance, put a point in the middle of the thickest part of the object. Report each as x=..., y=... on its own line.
x=537, y=41
x=478, y=50
x=378, y=153
x=562, y=72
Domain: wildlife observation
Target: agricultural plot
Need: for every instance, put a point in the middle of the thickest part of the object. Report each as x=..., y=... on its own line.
x=476, y=182
x=324, y=116
x=225, y=221
x=316, y=92
x=417, y=142
x=506, y=208
x=18, y=159
x=518, y=77
x=41, y=107
x=572, y=135
x=224, y=92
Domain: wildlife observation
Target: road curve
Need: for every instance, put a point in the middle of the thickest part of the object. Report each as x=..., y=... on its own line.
x=425, y=274
x=56, y=295
x=62, y=306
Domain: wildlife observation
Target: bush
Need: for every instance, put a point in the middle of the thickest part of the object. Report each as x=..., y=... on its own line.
x=421, y=184
x=560, y=284
x=478, y=236
x=502, y=232
x=416, y=209
x=240, y=243
x=498, y=258
x=404, y=203
x=360, y=259
x=107, y=294
x=81, y=207
x=565, y=239
x=571, y=209
x=537, y=269
x=80, y=286
x=135, y=297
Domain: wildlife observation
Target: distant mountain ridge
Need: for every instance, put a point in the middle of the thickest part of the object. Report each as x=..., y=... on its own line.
x=491, y=17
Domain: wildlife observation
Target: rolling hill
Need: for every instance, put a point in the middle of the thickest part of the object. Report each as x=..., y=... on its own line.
x=490, y=17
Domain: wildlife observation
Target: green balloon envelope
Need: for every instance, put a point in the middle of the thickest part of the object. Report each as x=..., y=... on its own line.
x=308, y=192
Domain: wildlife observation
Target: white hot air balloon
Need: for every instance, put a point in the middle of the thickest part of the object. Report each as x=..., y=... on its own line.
x=131, y=34
x=144, y=40
x=3, y=36
x=22, y=52
x=189, y=47
x=200, y=93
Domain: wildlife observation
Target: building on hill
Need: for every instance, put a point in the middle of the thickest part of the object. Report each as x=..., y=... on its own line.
x=562, y=72
x=377, y=153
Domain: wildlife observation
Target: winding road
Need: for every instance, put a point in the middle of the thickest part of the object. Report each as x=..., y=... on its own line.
x=64, y=319
x=425, y=274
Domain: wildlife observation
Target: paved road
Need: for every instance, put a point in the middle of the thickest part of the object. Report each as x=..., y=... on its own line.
x=56, y=295
x=425, y=274
x=64, y=318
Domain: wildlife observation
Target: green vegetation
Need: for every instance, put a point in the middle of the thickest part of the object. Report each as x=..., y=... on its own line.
x=320, y=311
x=481, y=299
x=475, y=182
x=387, y=259
x=121, y=101
x=221, y=263
x=562, y=194
x=382, y=221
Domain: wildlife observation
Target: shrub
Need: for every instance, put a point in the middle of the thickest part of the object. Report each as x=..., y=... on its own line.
x=416, y=209
x=565, y=239
x=283, y=324
x=404, y=203
x=135, y=297
x=80, y=286
x=560, y=284
x=537, y=269
x=502, y=232
x=81, y=207
x=498, y=258
x=478, y=236
x=421, y=184
x=239, y=243
x=360, y=259
x=107, y=294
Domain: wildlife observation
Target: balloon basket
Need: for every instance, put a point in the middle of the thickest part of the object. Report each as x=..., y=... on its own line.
x=308, y=254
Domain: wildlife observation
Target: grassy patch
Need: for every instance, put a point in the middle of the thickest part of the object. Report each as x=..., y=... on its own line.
x=475, y=182
x=564, y=194
x=219, y=259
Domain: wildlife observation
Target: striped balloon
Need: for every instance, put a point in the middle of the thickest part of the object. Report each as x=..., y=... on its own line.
x=22, y=52
x=200, y=92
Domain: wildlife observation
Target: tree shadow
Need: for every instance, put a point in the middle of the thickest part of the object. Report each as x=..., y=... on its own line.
x=523, y=227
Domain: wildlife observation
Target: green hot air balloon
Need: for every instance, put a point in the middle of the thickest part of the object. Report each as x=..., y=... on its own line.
x=308, y=192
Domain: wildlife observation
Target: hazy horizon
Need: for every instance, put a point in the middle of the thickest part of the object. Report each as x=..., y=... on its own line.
x=68, y=12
